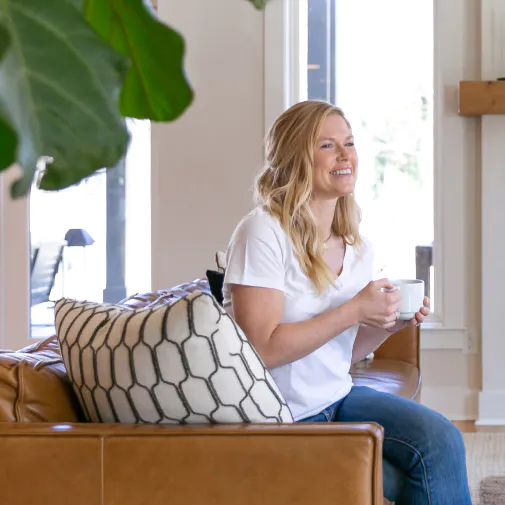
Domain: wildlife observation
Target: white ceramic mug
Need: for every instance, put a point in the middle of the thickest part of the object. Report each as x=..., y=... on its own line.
x=412, y=296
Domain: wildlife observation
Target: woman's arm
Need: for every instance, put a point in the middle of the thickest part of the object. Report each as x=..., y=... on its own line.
x=258, y=311
x=368, y=339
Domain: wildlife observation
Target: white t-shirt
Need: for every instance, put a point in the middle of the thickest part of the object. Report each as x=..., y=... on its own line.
x=260, y=254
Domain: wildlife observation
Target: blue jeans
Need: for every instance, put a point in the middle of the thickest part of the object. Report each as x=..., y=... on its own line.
x=423, y=454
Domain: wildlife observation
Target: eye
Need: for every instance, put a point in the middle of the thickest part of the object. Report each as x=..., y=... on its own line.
x=349, y=144
x=326, y=146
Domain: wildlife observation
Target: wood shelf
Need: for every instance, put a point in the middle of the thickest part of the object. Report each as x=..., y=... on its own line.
x=477, y=98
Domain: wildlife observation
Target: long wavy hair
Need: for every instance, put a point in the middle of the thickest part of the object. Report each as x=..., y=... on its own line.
x=284, y=188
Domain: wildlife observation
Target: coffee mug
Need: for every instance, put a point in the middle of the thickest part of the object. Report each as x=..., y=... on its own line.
x=412, y=291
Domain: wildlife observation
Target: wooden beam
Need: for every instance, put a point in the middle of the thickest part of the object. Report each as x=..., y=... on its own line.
x=477, y=98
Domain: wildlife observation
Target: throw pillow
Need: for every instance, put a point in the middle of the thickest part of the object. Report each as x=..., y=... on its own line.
x=184, y=363
x=216, y=280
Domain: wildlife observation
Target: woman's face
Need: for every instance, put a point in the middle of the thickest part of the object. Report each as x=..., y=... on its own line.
x=335, y=160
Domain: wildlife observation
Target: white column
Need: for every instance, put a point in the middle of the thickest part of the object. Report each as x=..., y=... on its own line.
x=3, y=288
x=492, y=397
x=14, y=266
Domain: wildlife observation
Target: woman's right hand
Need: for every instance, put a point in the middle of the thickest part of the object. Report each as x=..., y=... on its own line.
x=377, y=306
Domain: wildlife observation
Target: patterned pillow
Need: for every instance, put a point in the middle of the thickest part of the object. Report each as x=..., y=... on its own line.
x=184, y=363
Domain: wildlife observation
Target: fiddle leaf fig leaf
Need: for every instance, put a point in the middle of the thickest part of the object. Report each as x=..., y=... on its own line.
x=59, y=86
x=4, y=41
x=156, y=87
x=8, y=143
x=8, y=138
x=259, y=4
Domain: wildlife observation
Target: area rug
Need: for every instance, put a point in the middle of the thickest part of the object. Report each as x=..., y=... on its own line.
x=485, y=454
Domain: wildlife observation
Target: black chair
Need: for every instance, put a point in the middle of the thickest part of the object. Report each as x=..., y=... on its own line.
x=45, y=264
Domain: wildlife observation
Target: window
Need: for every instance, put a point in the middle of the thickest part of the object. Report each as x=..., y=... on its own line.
x=91, y=241
x=451, y=55
x=379, y=68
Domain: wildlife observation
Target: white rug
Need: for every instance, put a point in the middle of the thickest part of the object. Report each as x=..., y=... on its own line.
x=486, y=459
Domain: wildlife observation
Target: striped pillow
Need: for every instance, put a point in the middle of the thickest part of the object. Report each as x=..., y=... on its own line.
x=184, y=363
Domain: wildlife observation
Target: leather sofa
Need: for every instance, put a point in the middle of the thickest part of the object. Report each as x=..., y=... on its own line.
x=51, y=456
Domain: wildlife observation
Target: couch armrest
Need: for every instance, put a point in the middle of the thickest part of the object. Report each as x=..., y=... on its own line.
x=403, y=346
x=253, y=464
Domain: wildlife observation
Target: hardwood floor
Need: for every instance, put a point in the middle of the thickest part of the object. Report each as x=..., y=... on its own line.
x=470, y=427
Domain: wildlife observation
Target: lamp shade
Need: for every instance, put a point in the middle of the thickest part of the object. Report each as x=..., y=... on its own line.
x=77, y=237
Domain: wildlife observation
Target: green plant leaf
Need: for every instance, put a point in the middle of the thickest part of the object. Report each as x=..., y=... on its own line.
x=156, y=87
x=59, y=85
x=8, y=143
x=259, y=4
x=8, y=139
x=4, y=41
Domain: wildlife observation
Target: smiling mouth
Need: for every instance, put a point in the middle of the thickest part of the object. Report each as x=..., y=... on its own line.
x=343, y=171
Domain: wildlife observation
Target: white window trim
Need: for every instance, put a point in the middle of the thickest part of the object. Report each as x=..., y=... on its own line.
x=451, y=134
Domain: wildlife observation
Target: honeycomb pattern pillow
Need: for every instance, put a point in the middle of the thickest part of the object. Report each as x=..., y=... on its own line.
x=184, y=363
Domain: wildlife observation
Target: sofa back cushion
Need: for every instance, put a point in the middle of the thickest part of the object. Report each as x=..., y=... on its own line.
x=34, y=386
x=165, y=296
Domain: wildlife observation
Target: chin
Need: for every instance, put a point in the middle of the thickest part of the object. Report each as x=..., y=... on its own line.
x=342, y=194
x=345, y=190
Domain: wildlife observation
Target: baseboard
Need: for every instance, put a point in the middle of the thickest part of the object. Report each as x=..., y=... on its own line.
x=491, y=408
x=455, y=403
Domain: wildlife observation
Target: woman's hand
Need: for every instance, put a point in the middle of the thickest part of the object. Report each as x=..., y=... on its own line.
x=421, y=314
x=378, y=304
x=418, y=319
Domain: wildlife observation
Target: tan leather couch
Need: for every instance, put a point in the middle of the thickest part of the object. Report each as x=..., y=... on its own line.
x=49, y=456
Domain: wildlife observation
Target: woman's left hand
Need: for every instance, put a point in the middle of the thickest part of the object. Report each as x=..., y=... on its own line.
x=418, y=319
x=423, y=312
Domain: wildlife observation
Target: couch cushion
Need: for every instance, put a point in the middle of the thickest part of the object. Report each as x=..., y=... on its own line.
x=391, y=376
x=165, y=296
x=187, y=362
x=34, y=386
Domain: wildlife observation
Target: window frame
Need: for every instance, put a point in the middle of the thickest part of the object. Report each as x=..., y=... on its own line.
x=15, y=289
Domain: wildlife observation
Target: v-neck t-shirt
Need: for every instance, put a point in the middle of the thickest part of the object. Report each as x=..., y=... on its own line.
x=260, y=254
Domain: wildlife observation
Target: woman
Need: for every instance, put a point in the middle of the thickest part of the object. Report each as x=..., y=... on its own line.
x=299, y=283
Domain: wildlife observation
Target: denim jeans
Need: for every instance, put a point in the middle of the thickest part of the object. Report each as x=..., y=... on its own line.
x=423, y=454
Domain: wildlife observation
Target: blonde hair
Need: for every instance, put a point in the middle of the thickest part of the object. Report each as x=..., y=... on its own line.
x=284, y=188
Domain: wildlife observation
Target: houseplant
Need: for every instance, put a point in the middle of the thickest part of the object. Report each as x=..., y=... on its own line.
x=71, y=71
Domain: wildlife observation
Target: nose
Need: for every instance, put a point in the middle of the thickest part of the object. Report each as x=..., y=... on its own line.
x=342, y=153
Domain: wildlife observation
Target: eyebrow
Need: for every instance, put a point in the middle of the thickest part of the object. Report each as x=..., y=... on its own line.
x=349, y=137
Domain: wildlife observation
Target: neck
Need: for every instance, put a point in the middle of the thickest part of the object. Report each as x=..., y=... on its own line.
x=324, y=212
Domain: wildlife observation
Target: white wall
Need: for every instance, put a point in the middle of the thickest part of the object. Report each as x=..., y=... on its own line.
x=204, y=163
x=451, y=377
x=492, y=397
